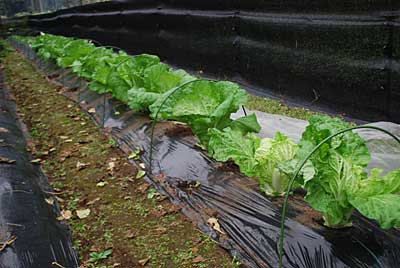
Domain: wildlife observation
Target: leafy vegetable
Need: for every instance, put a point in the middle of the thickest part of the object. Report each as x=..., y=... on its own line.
x=271, y=153
x=73, y=51
x=157, y=80
x=121, y=73
x=231, y=144
x=97, y=58
x=340, y=184
x=256, y=157
x=202, y=105
x=334, y=178
x=378, y=198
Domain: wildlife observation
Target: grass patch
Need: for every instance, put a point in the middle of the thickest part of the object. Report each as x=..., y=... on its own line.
x=277, y=107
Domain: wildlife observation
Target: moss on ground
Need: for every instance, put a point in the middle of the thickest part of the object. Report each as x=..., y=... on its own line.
x=128, y=224
x=278, y=107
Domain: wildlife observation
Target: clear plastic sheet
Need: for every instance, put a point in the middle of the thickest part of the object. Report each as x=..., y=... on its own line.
x=249, y=221
x=40, y=239
x=385, y=152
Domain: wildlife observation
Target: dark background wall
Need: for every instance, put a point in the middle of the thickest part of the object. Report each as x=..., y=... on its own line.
x=12, y=7
x=335, y=55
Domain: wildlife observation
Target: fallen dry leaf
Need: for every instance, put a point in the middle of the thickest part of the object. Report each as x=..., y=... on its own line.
x=161, y=230
x=83, y=213
x=91, y=202
x=57, y=264
x=213, y=222
x=3, y=130
x=49, y=200
x=36, y=161
x=143, y=188
x=143, y=262
x=111, y=166
x=94, y=248
x=5, y=160
x=198, y=259
x=3, y=245
x=60, y=199
x=81, y=166
x=92, y=110
x=65, y=215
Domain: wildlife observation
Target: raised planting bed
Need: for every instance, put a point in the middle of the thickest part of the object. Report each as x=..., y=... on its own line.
x=221, y=200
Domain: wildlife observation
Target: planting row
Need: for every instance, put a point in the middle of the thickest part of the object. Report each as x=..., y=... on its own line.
x=334, y=177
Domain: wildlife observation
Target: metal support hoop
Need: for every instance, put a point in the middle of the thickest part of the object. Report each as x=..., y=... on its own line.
x=291, y=183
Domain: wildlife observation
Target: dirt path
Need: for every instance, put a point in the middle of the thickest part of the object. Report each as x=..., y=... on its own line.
x=123, y=222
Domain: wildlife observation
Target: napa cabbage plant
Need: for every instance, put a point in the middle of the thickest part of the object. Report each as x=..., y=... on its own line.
x=120, y=73
x=340, y=184
x=203, y=105
x=268, y=159
x=334, y=177
x=157, y=80
x=74, y=50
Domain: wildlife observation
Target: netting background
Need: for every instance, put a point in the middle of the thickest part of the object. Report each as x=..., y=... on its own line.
x=10, y=8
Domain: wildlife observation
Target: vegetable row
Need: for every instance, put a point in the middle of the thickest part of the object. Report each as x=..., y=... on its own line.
x=334, y=177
